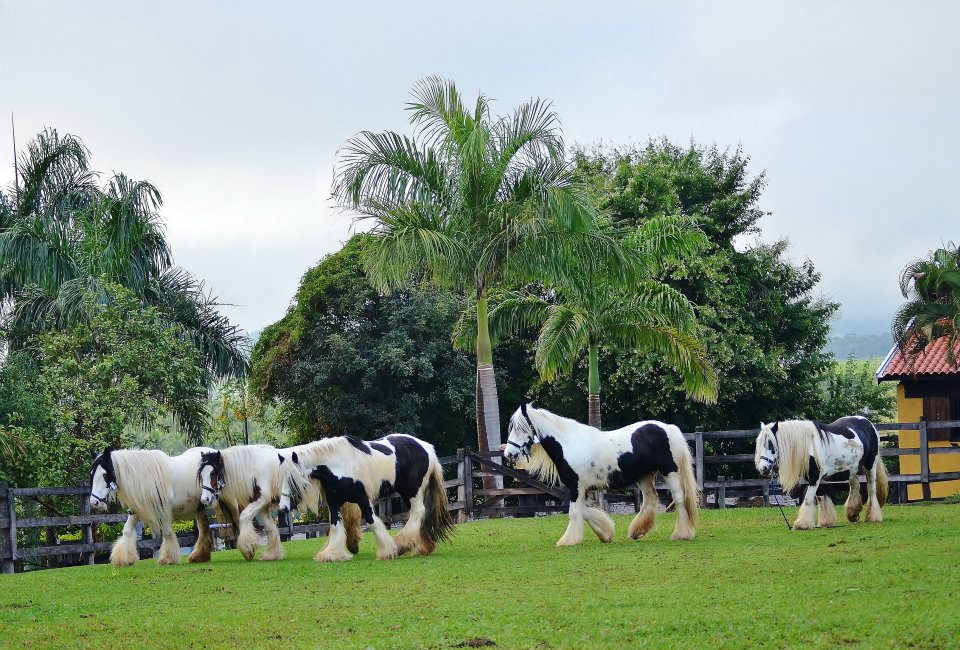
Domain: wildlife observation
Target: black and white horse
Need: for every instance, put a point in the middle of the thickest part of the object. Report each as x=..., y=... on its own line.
x=244, y=482
x=349, y=470
x=582, y=458
x=157, y=489
x=817, y=452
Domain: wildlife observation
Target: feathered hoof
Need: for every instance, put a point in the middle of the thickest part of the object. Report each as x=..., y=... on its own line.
x=119, y=562
x=683, y=535
x=247, y=553
x=387, y=554
x=802, y=525
x=563, y=541
x=272, y=556
x=168, y=561
x=874, y=518
x=853, y=518
x=331, y=556
x=202, y=556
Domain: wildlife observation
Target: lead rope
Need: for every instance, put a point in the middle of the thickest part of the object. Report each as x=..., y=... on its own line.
x=779, y=505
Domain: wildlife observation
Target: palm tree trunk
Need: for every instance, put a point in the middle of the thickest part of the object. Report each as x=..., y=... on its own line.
x=488, y=408
x=593, y=388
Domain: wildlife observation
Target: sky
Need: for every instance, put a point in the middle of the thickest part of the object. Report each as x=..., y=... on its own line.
x=236, y=110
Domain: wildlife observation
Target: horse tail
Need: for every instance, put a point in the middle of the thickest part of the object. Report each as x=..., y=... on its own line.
x=688, y=481
x=883, y=489
x=437, y=523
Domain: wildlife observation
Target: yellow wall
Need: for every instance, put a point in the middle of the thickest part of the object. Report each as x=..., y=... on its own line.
x=911, y=410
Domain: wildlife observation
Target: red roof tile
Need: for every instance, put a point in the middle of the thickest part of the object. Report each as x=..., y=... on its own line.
x=932, y=361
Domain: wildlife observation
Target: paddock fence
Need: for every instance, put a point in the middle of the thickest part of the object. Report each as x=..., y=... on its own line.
x=475, y=492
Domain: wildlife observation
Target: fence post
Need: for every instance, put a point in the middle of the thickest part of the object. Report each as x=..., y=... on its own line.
x=467, y=485
x=86, y=529
x=461, y=490
x=766, y=494
x=698, y=464
x=6, y=553
x=637, y=504
x=722, y=492
x=283, y=521
x=924, y=460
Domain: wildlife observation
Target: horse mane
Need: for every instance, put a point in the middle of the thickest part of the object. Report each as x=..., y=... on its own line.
x=142, y=477
x=295, y=475
x=794, y=438
x=539, y=463
x=241, y=469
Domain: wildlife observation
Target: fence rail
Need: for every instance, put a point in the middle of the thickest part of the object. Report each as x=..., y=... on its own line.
x=472, y=499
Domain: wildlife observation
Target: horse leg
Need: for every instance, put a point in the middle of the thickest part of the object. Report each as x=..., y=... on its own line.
x=124, y=551
x=643, y=522
x=350, y=513
x=409, y=538
x=247, y=537
x=854, y=503
x=684, y=528
x=600, y=522
x=336, y=548
x=201, y=550
x=826, y=513
x=574, y=532
x=386, y=546
x=874, y=514
x=170, y=547
x=807, y=507
x=274, y=550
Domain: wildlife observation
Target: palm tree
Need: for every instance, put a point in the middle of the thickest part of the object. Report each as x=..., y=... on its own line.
x=468, y=202
x=932, y=311
x=628, y=308
x=64, y=240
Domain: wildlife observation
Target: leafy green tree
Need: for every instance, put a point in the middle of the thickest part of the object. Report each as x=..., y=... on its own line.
x=347, y=359
x=470, y=201
x=593, y=306
x=932, y=311
x=851, y=388
x=763, y=325
x=125, y=366
x=64, y=240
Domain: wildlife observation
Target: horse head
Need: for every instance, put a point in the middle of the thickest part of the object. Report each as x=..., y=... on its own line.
x=765, y=455
x=103, y=480
x=522, y=434
x=291, y=482
x=212, y=477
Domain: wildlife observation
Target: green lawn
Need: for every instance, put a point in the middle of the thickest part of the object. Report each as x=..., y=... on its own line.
x=746, y=581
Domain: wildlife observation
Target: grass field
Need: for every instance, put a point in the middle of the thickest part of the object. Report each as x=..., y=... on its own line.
x=745, y=582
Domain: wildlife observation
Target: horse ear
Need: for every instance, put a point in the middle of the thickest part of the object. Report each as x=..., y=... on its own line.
x=533, y=405
x=762, y=424
x=108, y=450
x=773, y=429
x=523, y=408
x=280, y=456
x=295, y=458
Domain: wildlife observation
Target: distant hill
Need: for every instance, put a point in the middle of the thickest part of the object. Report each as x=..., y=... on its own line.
x=860, y=346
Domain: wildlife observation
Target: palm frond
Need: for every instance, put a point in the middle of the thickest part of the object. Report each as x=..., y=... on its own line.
x=563, y=338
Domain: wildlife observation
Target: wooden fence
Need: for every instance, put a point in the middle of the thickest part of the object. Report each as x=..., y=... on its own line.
x=472, y=500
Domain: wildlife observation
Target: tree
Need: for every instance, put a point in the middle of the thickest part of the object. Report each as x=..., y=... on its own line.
x=851, y=388
x=469, y=201
x=932, y=311
x=125, y=366
x=763, y=325
x=593, y=306
x=64, y=240
x=348, y=359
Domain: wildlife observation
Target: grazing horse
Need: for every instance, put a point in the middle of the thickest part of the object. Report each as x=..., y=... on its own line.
x=581, y=457
x=158, y=490
x=349, y=470
x=817, y=452
x=243, y=481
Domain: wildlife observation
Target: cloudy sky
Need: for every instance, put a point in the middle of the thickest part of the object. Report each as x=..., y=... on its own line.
x=235, y=110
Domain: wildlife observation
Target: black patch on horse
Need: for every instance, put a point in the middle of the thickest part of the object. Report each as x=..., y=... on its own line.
x=651, y=453
x=382, y=448
x=340, y=490
x=567, y=476
x=256, y=491
x=411, y=465
x=868, y=438
x=386, y=488
x=359, y=444
x=212, y=459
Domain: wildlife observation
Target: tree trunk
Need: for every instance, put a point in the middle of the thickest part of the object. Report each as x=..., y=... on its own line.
x=593, y=388
x=488, y=409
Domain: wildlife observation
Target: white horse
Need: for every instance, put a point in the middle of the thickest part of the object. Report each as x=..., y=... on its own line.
x=817, y=452
x=349, y=470
x=244, y=483
x=158, y=490
x=558, y=449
